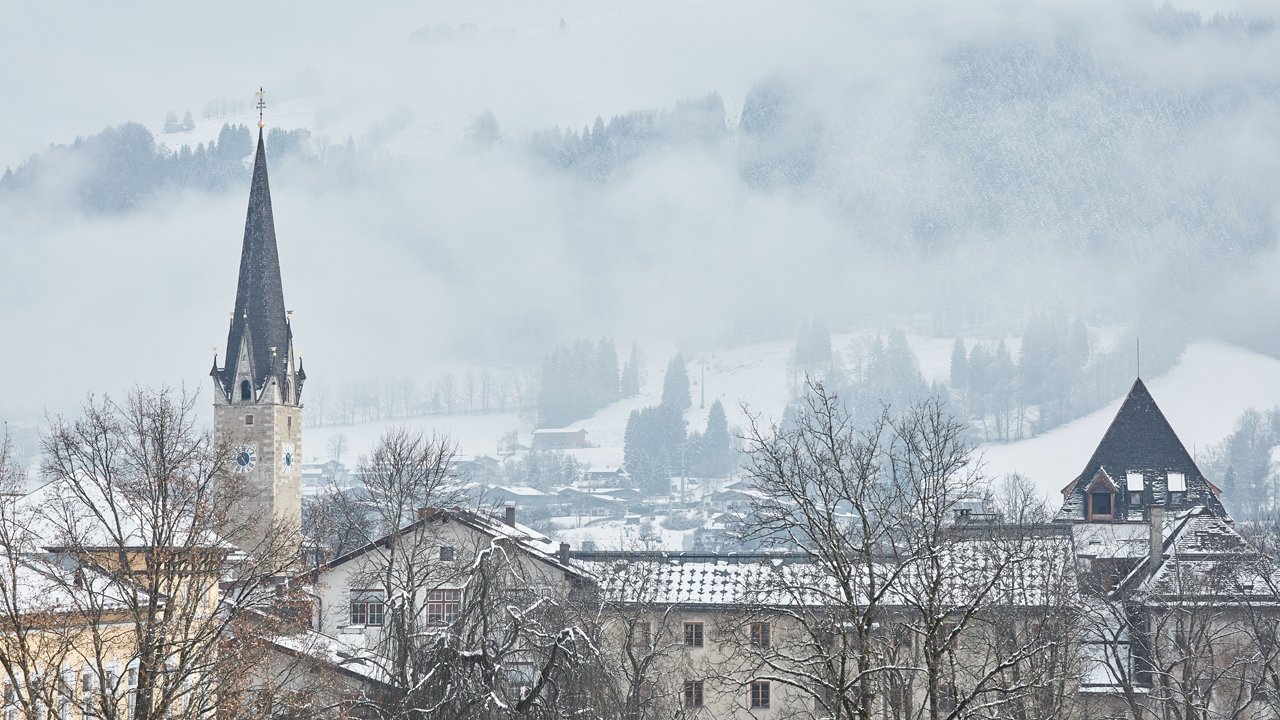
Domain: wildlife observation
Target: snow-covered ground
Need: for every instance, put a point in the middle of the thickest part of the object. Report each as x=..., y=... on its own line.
x=1202, y=396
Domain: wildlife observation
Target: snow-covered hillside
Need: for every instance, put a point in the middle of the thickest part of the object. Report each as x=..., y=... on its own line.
x=1202, y=396
x=750, y=379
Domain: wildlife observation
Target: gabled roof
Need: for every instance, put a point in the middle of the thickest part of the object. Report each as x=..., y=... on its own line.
x=538, y=546
x=259, y=314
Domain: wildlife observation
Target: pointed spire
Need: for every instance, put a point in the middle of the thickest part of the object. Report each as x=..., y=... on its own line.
x=259, y=314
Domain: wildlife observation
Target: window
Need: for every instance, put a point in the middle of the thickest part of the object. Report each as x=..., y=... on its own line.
x=132, y=676
x=443, y=606
x=760, y=695
x=1135, y=497
x=446, y=553
x=1100, y=503
x=519, y=677
x=248, y=419
x=1175, y=498
x=948, y=699
x=693, y=634
x=246, y=392
x=642, y=633
x=693, y=693
x=367, y=607
x=760, y=634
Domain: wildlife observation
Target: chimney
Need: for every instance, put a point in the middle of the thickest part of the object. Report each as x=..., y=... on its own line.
x=1155, y=551
x=564, y=552
x=510, y=513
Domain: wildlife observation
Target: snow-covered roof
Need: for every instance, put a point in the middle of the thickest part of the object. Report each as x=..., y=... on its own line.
x=350, y=658
x=519, y=490
x=47, y=583
x=1026, y=579
x=1205, y=559
x=59, y=516
x=537, y=545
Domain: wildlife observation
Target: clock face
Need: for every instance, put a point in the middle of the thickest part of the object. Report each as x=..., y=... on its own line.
x=288, y=461
x=244, y=458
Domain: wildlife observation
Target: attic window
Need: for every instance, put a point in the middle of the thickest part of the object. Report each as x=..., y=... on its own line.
x=1135, y=497
x=1100, y=505
x=1136, y=481
x=1177, y=482
x=1101, y=497
x=246, y=392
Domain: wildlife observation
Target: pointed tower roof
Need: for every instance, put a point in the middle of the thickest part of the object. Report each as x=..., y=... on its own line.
x=259, y=314
x=1141, y=442
x=1139, y=439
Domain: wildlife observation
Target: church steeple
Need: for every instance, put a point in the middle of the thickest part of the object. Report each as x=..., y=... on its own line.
x=260, y=340
x=257, y=399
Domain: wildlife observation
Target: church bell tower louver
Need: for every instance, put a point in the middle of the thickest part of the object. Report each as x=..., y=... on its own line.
x=258, y=391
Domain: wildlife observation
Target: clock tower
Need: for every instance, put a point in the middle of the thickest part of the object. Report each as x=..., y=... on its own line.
x=257, y=399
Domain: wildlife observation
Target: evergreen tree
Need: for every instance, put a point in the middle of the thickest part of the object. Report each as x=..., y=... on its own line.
x=959, y=366
x=651, y=447
x=606, y=372
x=631, y=372
x=675, y=385
x=171, y=122
x=188, y=123
x=715, y=449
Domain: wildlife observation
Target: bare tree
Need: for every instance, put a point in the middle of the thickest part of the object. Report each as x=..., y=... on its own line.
x=337, y=446
x=1195, y=636
x=140, y=589
x=472, y=628
x=896, y=601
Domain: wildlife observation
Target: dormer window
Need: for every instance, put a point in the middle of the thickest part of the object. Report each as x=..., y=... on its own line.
x=246, y=391
x=1177, y=485
x=1100, y=497
x=1100, y=504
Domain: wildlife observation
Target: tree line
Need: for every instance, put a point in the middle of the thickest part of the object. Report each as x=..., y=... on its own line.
x=1008, y=388
x=122, y=167
x=582, y=377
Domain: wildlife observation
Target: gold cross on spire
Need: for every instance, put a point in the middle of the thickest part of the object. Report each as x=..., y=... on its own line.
x=262, y=104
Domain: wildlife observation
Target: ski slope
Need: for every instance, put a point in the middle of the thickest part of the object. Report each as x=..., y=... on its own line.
x=1202, y=396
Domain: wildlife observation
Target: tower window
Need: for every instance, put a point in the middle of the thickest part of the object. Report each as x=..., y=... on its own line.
x=246, y=392
x=289, y=423
x=248, y=419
